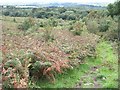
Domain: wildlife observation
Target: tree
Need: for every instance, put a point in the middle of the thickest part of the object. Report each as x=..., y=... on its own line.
x=62, y=10
x=117, y=8
x=34, y=10
x=111, y=9
x=114, y=9
x=6, y=13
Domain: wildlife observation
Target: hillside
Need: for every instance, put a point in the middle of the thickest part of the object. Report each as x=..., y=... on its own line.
x=59, y=47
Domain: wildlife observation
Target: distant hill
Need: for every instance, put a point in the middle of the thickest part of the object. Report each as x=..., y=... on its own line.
x=53, y=5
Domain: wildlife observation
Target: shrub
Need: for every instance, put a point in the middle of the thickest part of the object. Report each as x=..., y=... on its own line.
x=78, y=28
x=63, y=16
x=14, y=75
x=41, y=14
x=26, y=24
x=6, y=13
x=52, y=22
x=42, y=24
x=47, y=61
x=112, y=33
x=47, y=34
x=92, y=26
x=103, y=26
x=14, y=20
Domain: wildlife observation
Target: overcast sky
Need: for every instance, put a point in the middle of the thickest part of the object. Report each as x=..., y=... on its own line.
x=51, y=1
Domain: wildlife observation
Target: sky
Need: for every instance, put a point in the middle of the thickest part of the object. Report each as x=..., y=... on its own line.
x=6, y=2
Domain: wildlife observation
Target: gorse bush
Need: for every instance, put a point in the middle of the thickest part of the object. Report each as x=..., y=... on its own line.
x=26, y=24
x=14, y=20
x=52, y=22
x=103, y=27
x=112, y=33
x=47, y=34
x=92, y=26
x=78, y=28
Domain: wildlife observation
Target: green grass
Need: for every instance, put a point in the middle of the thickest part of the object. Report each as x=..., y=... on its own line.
x=110, y=68
x=68, y=79
x=106, y=74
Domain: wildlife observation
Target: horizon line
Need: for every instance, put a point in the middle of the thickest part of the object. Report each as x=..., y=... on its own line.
x=55, y=2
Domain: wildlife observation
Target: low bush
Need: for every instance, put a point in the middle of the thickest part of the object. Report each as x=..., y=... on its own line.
x=26, y=24
x=103, y=27
x=48, y=59
x=78, y=28
x=47, y=34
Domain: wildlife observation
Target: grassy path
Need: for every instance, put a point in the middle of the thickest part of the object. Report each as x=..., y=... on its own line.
x=101, y=72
